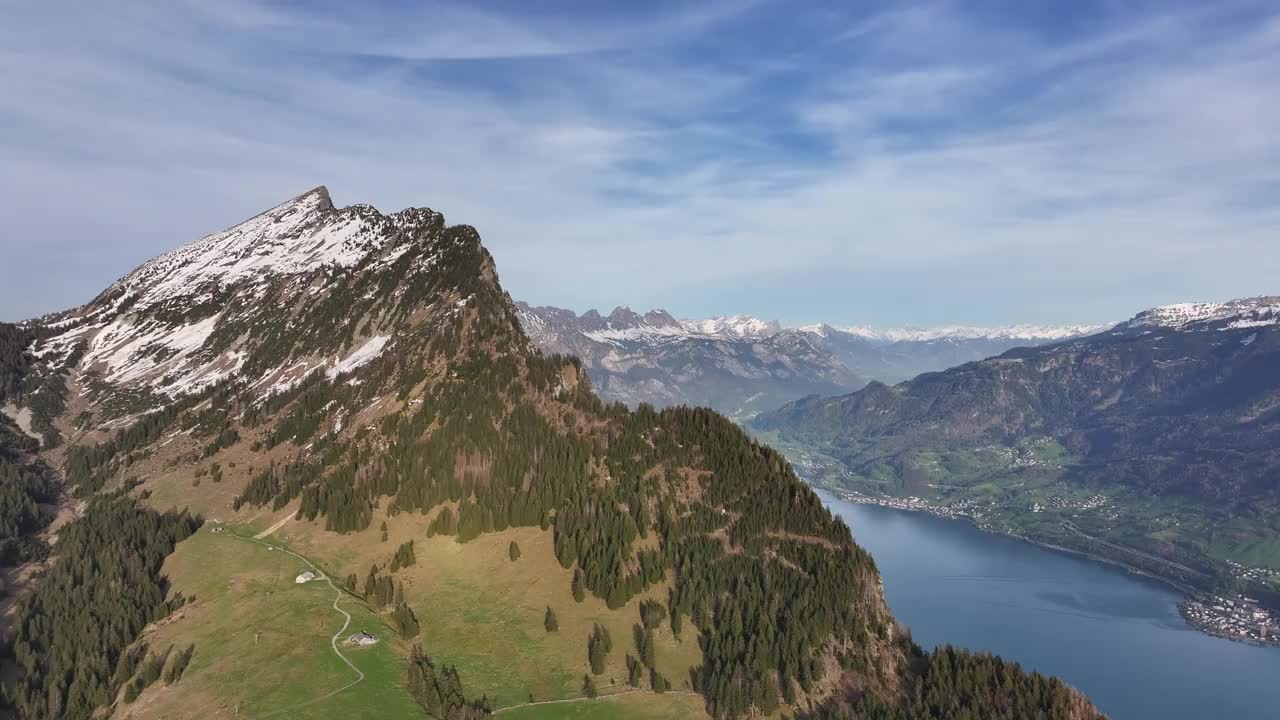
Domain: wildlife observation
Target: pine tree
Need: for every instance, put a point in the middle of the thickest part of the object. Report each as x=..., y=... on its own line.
x=770, y=700
x=406, y=621
x=579, y=593
x=598, y=647
x=549, y=621
x=514, y=551
x=588, y=686
x=635, y=670
x=657, y=682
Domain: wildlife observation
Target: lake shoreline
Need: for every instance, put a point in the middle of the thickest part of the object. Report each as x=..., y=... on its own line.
x=1189, y=594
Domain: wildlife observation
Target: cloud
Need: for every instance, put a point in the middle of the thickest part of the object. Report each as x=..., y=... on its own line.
x=919, y=165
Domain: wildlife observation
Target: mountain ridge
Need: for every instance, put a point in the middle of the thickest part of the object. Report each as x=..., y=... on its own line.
x=1174, y=413
x=741, y=365
x=382, y=384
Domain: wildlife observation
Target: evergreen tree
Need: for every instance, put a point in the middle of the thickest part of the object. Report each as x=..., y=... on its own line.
x=652, y=613
x=549, y=620
x=439, y=690
x=588, y=686
x=598, y=647
x=514, y=551
x=635, y=671
x=406, y=622
x=657, y=682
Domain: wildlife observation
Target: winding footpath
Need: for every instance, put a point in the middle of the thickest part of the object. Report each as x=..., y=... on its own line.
x=587, y=699
x=333, y=641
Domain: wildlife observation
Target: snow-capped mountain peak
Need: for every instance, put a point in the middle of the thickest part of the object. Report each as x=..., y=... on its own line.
x=199, y=314
x=1242, y=313
x=738, y=326
x=297, y=236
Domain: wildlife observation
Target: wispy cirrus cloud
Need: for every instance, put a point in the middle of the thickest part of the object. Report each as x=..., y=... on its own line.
x=917, y=164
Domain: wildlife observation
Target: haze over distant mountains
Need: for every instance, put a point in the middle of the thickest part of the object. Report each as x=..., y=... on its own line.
x=1172, y=416
x=742, y=365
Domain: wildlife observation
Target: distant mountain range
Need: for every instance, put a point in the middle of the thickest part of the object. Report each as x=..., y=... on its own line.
x=742, y=365
x=1174, y=414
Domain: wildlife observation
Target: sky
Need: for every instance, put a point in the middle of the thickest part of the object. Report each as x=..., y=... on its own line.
x=974, y=162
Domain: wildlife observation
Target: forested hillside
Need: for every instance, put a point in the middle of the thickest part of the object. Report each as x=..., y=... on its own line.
x=1162, y=434
x=350, y=394
x=27, y=486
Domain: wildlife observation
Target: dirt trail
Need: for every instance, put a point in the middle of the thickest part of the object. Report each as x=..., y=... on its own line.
x=278, y=524
x=333, y=641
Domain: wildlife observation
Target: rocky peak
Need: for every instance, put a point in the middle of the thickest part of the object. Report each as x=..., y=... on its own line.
x=624, y=317
x=1239, y=313
x=660, y=318
x=302, y=287
x=738, y=326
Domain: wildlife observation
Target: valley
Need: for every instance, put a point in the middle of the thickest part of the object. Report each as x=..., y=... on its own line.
x=721, y=360
x=1119, y=636
x=1024, y=492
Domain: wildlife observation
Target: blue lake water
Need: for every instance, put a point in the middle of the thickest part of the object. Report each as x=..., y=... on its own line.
x=1114, y=635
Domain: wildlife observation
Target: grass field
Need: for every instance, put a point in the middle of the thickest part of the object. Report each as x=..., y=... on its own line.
x=629, y=706
x=484, y=613
x=262, y=642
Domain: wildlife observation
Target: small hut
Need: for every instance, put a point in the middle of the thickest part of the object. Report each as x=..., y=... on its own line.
x=362, y=638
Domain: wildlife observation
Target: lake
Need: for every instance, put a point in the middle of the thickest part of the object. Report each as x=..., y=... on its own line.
x=1114, y=635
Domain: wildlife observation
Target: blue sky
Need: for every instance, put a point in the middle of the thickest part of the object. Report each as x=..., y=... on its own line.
x=878, y=163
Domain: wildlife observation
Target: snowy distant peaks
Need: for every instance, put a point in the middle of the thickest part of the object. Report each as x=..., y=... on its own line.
x=625, y=324
x=740, y=326
x=1243, y=313
x=1040, y=333
x=625, y=317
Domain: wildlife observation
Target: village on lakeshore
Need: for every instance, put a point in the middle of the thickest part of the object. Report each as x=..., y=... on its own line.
x=1238, y=618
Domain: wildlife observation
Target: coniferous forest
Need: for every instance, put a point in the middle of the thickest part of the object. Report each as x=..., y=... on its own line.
x=956, y=684
x=28, y=487
x=105, y=586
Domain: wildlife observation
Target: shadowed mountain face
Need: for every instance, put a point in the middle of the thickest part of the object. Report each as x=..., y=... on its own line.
x=1179, y=401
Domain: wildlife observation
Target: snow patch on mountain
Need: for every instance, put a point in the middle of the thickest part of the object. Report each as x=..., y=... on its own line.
x=739, y=326
x=371, y=349
x=126, y=351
